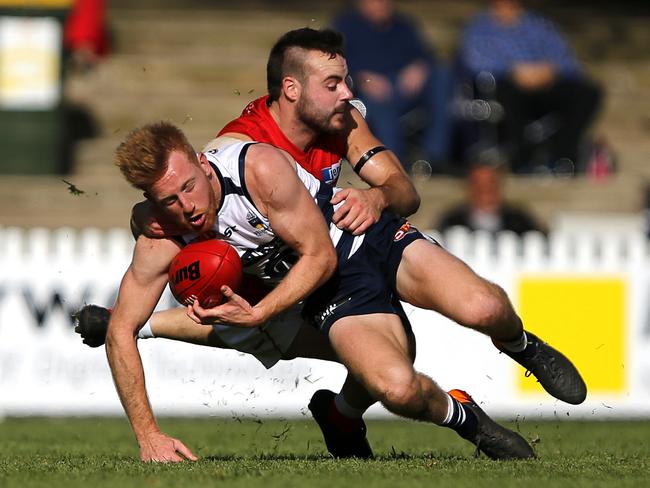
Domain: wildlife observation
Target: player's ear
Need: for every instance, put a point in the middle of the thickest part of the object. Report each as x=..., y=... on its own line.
x=291, y=88
x=205, y=165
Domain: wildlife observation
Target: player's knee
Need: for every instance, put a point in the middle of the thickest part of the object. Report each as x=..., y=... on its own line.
x=487, y=307
x=400, y=390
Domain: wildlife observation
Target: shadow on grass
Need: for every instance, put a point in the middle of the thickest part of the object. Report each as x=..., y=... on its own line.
x=394, y=456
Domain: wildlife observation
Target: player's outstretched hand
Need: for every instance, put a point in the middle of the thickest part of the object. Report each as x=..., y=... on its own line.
x=235, y=310
x=361, y=209
x=160, y=448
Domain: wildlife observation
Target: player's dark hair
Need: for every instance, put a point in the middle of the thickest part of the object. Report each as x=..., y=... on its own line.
x=142, y=157
x=287, y=55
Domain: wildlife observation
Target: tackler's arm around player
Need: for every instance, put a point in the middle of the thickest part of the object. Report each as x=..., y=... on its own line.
x=390, y=187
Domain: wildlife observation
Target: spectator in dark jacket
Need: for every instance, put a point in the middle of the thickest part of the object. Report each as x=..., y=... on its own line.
x=485, y=208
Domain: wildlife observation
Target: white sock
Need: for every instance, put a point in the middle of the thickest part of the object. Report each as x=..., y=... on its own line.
x=517, y=345
x=450, y=410
x=346, y=409
x=146, y=332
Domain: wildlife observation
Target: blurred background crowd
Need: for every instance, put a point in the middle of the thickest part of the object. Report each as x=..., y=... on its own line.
x=509, y=114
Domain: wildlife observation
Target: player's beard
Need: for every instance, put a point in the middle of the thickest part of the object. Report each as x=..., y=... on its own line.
x=320, y=120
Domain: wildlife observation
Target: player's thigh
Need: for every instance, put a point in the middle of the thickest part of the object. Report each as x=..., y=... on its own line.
x=310, y=343
x=432, y=278
x=374, y=348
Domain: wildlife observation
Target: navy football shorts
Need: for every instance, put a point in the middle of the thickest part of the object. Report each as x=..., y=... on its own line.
x=365, y=283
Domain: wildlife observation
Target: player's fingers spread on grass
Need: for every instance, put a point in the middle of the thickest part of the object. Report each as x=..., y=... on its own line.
x=167, y=458
x=160, y=448
x=184, y=450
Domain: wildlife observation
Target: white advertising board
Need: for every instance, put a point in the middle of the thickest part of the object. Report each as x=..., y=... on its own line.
x=587, y=295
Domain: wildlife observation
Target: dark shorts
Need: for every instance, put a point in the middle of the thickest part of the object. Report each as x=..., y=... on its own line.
x=365, y=283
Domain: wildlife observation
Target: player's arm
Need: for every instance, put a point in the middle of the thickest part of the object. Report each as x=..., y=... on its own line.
x=391, y=188
x=297, y=221
x=140, y=290
x=279, y=194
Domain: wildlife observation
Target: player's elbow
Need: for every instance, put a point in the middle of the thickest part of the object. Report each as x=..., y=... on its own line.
x=405, y=198
x=328, y=263
x=412, y=203
x=112, y=340
x=116, y=337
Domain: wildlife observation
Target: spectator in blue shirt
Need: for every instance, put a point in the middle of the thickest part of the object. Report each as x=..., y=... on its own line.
x=394, y=73
x=536, y=75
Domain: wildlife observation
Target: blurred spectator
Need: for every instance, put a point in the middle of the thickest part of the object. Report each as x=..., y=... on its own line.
x=85, y=40
x=85, y=36
x=485, y=208
x=396, y=76
x=544, y=93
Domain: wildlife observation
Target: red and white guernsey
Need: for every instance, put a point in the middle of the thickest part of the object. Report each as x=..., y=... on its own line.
x=323, y=159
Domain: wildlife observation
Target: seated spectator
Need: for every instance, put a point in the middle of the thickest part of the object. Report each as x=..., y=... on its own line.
x=538, y=80
x=85, y=36
x=394, y=74
x=485, y=208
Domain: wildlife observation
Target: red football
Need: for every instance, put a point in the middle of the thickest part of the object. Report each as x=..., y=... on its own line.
x=201, y=268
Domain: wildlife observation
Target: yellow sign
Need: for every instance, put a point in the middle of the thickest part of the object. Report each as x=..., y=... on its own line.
x=29, y=63
x=585, y=318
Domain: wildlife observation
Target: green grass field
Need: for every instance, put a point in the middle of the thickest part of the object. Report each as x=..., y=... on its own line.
x=251, y=453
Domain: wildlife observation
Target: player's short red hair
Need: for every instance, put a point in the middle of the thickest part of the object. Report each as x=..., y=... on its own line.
x=142, y=157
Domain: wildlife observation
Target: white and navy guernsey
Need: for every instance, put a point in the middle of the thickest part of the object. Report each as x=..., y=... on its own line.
x=364, y=281
x=240, y=223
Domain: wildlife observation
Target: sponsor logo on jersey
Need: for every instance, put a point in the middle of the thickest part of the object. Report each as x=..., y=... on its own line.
x=331, y=175
x=256, y=223
x=228, y=231
x=403, y=230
